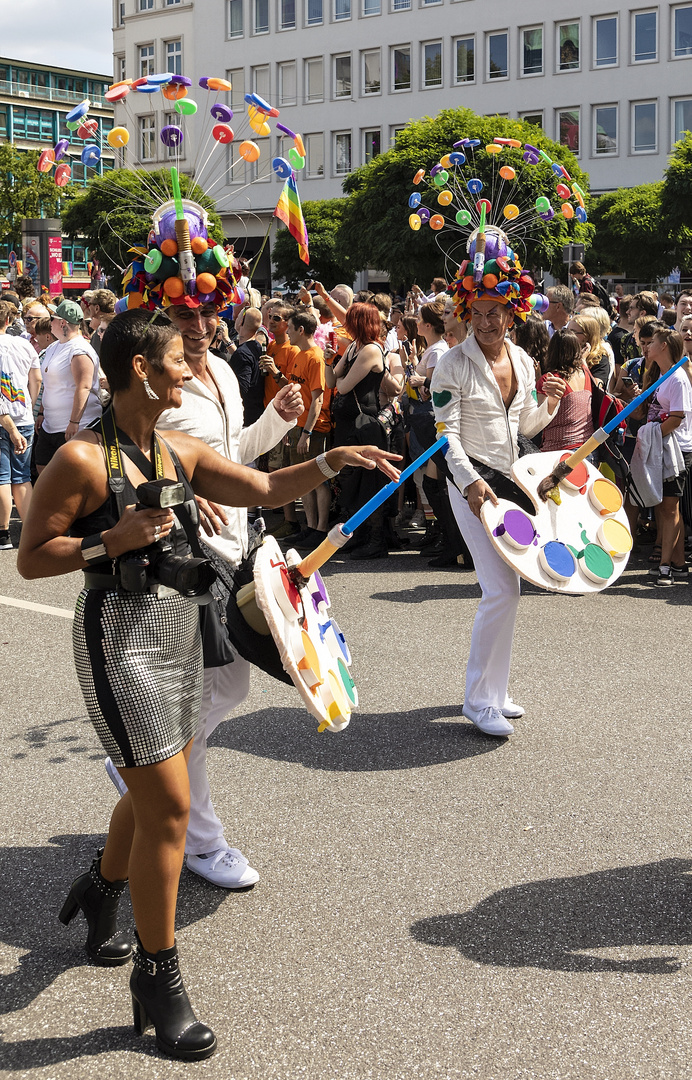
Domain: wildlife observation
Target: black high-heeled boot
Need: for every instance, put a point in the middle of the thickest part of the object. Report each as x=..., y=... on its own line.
x=159, y=1000
x=98, y=899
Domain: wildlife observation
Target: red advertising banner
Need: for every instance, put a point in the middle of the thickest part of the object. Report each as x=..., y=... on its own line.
x=55, y=264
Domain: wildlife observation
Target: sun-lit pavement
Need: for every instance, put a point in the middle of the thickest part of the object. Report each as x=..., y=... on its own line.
x=432, y=902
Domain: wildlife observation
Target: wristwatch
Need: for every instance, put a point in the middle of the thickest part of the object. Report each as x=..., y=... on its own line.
x=93, y=548
x=307, y=433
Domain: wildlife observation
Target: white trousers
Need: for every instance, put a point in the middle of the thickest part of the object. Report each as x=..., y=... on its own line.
x=224, y=689
x=490, y=656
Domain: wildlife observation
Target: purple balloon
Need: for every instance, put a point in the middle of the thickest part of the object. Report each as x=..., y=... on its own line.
x=435, y=169
x=531, y=159
x=183, y=80
x=204, y=82
x=547, y=215
x=222, y=113
x=171, y=135
x=494, y=246
x=61, y=149
x=205, y=297
x=423, y=214
x=167, y=225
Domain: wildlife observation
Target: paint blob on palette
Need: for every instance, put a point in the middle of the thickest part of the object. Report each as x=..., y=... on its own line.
x=577, y=544
x=311, y=644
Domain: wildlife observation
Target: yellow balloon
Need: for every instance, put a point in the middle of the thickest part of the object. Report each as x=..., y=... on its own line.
x=511, y=211
x=445, y=162
x=250, y=151
x=414, y=222
x=444, y=198
x=260, y=127
x=118, y=136
x=493, y=148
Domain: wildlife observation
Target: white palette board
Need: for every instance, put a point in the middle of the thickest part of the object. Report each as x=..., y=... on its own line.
x=312, y=648
x=576, y=527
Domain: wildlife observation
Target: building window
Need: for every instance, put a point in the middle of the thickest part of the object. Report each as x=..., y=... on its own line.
x=146, y=60
x=121, y=13
x=394, y=131
x=644, y=35
x=146, y=5
x=535, y=118
x=235, y=18
x=147, y=137
x=261, y=16
x=568, y=57
x=120, y=68
x=314, y=14
x=288, y=84
x=372, y=7
x=464, y=59
x=532, y=51
x=288, y=14
x=432, y=64
x=314, y=79
x=342, y=152
x=401, y=67
x=174, y=57
x=644, y=139
x=605, y=41
x=170, y=3
x=401, y=5
x=260, y=81
x=682, y=118
x=568, y=129
x=498, y=55
x=605, y=129
x=372, y=145
x=427, y=3
x=314, y=149
x=372, y=72
x=236, y=78
x=342, y=76
x=342, y=10
x=682, y=31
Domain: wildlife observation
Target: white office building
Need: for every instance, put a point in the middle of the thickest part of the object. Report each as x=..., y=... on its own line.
x=614, y=84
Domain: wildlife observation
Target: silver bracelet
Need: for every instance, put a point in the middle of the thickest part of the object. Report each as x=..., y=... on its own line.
x=324, y=466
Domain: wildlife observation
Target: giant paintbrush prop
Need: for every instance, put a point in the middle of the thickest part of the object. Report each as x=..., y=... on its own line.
x=550, y=483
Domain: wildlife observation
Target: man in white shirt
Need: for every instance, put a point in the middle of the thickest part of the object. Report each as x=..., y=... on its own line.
x=212, y=410
x=20, y=382
x=483, y=395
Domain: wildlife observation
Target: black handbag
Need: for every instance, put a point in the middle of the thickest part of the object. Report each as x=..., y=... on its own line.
x=213, y=620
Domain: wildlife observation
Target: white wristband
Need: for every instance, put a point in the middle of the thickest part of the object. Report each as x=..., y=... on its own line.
x=324, y=467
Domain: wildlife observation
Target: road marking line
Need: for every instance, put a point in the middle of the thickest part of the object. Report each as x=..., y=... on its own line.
x=12, y=602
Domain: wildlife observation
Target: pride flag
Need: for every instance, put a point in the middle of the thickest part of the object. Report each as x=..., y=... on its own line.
x=289, y=211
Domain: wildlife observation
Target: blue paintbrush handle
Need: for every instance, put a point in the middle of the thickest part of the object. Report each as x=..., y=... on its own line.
x=382, y=496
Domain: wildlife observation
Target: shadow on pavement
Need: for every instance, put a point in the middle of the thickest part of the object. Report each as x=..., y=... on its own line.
x=33, y=887
x=372, y=742
x=551, y=924
x=35, y=1053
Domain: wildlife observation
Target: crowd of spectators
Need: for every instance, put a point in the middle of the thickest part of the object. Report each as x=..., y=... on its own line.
x=364, y=365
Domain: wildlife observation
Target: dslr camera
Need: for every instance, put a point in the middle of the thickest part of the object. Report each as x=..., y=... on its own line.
x=158, y=564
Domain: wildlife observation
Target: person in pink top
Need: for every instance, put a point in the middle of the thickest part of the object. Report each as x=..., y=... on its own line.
x=572, y=423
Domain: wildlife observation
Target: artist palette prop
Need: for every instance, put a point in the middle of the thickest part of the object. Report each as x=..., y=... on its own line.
x=311, y=645
x=579, y=545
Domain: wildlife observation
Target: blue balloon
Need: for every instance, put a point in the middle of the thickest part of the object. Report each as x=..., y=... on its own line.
x=414, y=200
x=457, y=158
x=474, y=186
x=581, y=215
x=282, y=168
x=91, y=155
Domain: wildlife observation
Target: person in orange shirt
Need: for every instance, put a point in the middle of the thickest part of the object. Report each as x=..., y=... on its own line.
x=275, y=364
x=309, y=437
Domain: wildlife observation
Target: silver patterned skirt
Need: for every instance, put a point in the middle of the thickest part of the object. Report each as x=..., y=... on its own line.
x=139, y=664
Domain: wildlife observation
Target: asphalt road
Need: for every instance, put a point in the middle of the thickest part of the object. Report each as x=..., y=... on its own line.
x=432, y=902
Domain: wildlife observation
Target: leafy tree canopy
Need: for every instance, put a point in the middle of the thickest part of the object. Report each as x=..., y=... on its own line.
x=375, y=229
x=114, y=213
x=676, y=199
x=629, y=237
x=329, y=262
x=25, y=192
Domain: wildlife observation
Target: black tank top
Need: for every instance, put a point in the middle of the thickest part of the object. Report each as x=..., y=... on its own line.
x=365, y=393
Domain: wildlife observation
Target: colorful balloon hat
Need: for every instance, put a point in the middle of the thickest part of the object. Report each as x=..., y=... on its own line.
x=502, y=278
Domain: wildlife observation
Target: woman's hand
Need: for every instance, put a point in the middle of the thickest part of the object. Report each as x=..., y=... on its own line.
x=554, y=388
x=137, y=529
x=211, y=516
x=289, y=402
x=416, y=380
x=364, y=457
x=477, y=493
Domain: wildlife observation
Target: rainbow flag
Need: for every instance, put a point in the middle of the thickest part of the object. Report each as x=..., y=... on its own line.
x=9, y=391
x=289, y=211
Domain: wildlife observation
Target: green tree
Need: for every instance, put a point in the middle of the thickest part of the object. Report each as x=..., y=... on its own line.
x=375, y=229
x=629, y=237
x=329, y=263
x=25, y=192
x=676, y=202
x=114, y=212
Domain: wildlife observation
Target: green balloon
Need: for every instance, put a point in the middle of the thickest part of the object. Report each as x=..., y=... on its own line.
x=542, y=204
x=186, y=107
x=297, y=160
x=441, y=178
x=153, y=261
x=72, y=125
x=220, y=255
x=463, y=217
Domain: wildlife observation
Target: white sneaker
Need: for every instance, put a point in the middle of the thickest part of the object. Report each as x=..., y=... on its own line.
x=418, y=520
x=226, y=867
x=115, y=777
x=489, y=720
x=511, y=710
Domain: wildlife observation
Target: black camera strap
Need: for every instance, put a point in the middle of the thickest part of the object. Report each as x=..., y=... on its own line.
x=113, y=438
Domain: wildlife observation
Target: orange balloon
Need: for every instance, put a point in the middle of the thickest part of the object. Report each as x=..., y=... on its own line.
x=419, y=176
x=206, y=283
x=437, y=222
x=567, y=210
x=174, y=91
x=299, y=145
x=198, y=245
x=173, y=287
x=250, y=151
x=507, y=172
x=169, y=247
x=490, y=280
x=467, y=283
x=218, y=84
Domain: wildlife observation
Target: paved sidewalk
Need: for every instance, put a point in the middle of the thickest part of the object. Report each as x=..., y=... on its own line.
x=432, y=902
